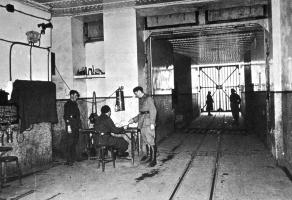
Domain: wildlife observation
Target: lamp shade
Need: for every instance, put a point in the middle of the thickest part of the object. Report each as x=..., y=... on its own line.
x=33, y=37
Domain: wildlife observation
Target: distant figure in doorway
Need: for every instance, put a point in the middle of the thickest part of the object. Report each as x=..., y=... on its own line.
x=234, y=104
x=209, y=103
x=73, y=124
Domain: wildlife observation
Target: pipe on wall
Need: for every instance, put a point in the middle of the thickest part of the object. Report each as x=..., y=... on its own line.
x=10, y=52
x=24, y=13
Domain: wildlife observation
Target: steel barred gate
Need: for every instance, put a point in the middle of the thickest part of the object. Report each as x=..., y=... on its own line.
x=219, y=80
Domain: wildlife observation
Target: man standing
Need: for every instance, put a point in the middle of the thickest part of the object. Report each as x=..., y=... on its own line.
x=146, y=122
x=234, y=104
x=105, y=125
x=209, y=103
x=73, y=124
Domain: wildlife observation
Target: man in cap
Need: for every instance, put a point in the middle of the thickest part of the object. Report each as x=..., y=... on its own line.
x=234, y=104
x=146, y=122
x=73, y=124
x=209, y=103
x=105, y=126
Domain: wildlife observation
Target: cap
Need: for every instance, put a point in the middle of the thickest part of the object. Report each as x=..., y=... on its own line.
x=105, y=109
x=74, y=92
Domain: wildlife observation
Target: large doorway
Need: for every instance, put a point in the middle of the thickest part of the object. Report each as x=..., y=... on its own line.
x=219, y=80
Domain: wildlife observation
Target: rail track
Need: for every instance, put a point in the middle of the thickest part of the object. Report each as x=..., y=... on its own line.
x=197, y=152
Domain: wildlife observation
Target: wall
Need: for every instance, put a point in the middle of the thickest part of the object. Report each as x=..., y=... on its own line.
x=33, y=147
x=70, y=56
x=162, y=56
x=62, y=46
x=14, y=28
x=282, y=83
x=120, y=54
x=141, y=51
x=165, y=116
x=69, y=51
x=253, y=106
x=162, y=53
x=258, y=119
x=286, y=62
x=183, y=87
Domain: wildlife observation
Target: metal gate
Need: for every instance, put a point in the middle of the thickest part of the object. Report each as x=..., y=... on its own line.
x=219, y=80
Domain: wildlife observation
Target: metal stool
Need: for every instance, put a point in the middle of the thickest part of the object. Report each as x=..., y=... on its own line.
x=103, y=150
x=5, y=160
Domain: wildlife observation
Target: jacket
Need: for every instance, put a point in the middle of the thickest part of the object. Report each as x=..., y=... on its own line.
x=148, y=112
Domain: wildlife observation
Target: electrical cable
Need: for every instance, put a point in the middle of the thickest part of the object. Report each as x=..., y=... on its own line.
x=104, y=99
x=31, y=15
x=62, y=78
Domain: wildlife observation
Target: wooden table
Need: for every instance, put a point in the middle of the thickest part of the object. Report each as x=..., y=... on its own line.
x=135, y=141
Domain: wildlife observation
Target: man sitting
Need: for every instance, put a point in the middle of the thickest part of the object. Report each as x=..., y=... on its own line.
x=105, y=126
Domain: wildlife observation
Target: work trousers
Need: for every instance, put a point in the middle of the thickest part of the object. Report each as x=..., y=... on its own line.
x=235, y=111
x=118, y=143
x=148, y=135
x=70, y=146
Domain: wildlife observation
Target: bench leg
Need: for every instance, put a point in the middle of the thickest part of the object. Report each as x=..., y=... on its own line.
x=19, y=172
x=1, y=176
x=5, y=173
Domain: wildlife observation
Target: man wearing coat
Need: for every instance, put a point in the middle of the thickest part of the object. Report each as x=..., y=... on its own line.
x=146, y=123
x=73, y=124
x=209, y=103
x=234, y=104
x=105, y=125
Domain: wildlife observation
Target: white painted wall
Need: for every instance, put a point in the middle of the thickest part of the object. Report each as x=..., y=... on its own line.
x=78, y=55
x=120, y=53
x=62, y=46
x=119, y=60
x=13, y=28
x=94, y=54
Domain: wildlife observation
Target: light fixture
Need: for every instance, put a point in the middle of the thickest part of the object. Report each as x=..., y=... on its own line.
x=10, y=8
x=120, y=100
x=33, y=37
x=44, y=26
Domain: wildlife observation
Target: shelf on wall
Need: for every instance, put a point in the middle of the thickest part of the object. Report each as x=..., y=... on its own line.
x=89, y=76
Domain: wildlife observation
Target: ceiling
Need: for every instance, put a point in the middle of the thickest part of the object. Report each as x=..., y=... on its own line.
x=214, y=44
x=150, y=7
x=204, y=44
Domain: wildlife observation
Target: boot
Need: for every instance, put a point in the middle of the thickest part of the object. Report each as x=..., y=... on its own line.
x=147, y=154
x=151, y=155
x=153, y=160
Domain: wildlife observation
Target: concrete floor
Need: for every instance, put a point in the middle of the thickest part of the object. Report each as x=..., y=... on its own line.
x=212, y=159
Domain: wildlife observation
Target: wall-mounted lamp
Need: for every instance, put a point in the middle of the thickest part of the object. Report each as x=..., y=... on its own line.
x=33, y=37
x=10, y=8
x=120, y=100
x=45, y=26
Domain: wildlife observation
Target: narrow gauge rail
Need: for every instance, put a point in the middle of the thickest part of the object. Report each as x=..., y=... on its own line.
x=194, y=155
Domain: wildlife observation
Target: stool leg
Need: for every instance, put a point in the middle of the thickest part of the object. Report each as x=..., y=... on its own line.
x=113, y=154
x=99, y=157
x=5, y=173
x=1, y=176
x=102, y=158
x=19, y=172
